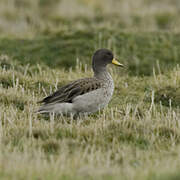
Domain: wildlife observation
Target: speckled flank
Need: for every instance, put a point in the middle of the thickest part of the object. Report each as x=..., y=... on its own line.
x=95, y=100
x=86, y=103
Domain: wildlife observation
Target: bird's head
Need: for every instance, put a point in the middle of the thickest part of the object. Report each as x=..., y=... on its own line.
x=102, y=58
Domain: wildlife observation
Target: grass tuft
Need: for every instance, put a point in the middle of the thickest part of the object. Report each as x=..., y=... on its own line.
x=168, y=96
x=51, y=146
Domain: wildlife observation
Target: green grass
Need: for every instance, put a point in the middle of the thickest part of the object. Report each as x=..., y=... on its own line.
x=139, y=52
x=45, y=44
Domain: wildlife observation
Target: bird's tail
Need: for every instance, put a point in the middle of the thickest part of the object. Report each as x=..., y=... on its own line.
x=45, y=109
x=56, y=108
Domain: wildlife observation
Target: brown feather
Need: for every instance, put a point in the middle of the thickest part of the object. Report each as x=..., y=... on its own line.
x=69, y=92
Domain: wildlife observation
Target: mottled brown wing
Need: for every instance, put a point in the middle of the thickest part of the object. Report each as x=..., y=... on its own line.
x=69, y=92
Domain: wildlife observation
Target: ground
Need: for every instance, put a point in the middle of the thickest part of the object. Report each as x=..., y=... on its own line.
x=46, y=44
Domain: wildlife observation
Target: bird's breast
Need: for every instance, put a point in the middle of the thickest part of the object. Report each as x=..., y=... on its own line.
x=108, y=88
x=97, y=99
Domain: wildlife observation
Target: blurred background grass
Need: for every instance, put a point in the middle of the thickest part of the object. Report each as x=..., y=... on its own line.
x=22, y=17
x=143, y=34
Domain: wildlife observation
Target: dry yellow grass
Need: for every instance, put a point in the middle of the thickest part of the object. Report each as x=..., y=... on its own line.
x=136, y=137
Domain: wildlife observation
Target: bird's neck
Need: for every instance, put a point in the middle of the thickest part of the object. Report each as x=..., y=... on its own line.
x=102, y=74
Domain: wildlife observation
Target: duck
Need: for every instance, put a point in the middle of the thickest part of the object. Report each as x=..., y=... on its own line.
x=86, y=95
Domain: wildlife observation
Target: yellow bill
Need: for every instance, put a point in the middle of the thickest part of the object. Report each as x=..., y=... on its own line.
x=114, y=61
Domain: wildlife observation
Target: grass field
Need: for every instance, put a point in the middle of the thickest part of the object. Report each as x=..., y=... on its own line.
x=46, y=44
